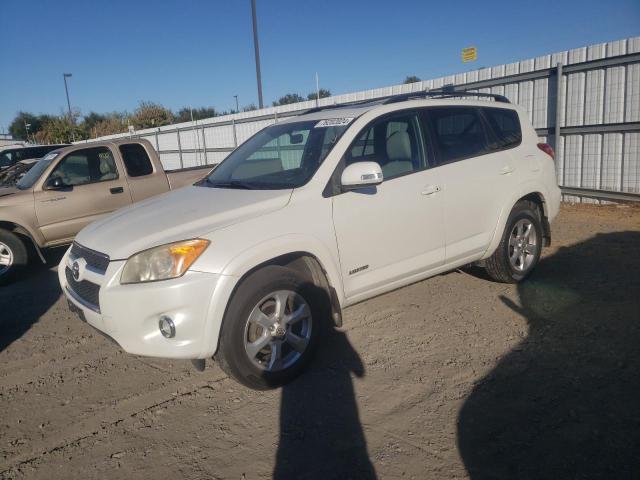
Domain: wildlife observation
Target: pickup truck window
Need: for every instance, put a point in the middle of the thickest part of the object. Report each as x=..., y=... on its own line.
x=136, y=160
x=90, y=165
x=281, y=156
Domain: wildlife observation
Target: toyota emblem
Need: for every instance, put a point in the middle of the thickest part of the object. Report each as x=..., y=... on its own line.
x=75, y=269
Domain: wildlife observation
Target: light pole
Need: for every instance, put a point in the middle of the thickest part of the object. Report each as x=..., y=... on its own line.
x=66, y=90
x=26, y=127
x=237, y=107
x=257, y=51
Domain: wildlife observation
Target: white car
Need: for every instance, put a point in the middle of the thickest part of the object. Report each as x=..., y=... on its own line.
x=311, y=215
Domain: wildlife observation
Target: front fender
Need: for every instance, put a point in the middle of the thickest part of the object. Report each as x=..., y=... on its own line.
x=250, y=258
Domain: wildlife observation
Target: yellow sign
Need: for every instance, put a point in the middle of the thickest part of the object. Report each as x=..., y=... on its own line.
x=469, y=54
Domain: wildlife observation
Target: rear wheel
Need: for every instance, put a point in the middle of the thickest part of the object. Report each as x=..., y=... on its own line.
x=271, y=328
x=13, y=256
x=520, y=247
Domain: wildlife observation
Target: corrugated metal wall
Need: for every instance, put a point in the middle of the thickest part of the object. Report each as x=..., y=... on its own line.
x=598, y=112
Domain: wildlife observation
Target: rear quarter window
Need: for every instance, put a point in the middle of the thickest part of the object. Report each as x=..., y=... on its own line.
x=136, y=160
x=458, y=132
x=505, y=126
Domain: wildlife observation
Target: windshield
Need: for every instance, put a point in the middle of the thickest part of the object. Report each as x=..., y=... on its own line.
x=10, y=176
x=32, y=176
x=279, y=157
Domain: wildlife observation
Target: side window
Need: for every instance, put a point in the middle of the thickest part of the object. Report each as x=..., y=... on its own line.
x=458, y=132
x=90, y=165
x=394, y=142
x=506, y=128
x=136, y=160
x=6, y=159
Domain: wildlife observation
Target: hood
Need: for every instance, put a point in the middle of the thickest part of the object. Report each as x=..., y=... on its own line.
x=182, y=214
x=4, y=191
x=14, y=196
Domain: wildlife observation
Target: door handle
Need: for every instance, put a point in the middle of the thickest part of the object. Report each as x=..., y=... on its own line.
x=506, y=170
x=430, y=189
x=115, y=190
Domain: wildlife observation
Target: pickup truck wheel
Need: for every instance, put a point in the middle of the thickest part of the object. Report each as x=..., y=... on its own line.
x=271, y=328
x=13, y=256
x=520, y=247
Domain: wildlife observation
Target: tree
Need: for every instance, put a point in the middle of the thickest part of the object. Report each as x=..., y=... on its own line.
x=92, y=119
x=411, y=79
x=249, y=108
x=323, y=94
x=149, y=115
x=60, y=130
x=184, y=114
x=18, y=128
x=287, y=99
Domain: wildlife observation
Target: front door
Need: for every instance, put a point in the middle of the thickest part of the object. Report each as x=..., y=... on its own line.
x=391, y=232
x=92, y=187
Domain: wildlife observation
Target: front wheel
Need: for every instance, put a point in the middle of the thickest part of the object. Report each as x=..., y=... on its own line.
x=13, y=256
x=271, y=328
x=520, y=247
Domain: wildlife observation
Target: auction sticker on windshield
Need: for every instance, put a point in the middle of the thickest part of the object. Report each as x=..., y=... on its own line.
x=333, y=122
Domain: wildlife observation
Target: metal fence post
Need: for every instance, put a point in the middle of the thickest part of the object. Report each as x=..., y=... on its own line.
x=235, y=135
x=157, y=142
x=179, y=148
x=556, y=133
x=204, y=147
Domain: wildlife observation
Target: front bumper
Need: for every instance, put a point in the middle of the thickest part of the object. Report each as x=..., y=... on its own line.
x=129, y=314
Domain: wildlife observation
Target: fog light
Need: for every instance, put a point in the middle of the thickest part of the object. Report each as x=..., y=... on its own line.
x=167, y=328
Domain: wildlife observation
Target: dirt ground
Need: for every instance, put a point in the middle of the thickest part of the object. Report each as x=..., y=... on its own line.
x=452, y=377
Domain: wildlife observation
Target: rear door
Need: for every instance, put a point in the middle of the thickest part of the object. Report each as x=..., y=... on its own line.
x=478, y=177
x=391, y=232
x=93, y=188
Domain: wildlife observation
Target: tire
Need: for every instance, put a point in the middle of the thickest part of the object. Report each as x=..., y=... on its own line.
x=517, y=254
x=13, y=257
x=243, y=353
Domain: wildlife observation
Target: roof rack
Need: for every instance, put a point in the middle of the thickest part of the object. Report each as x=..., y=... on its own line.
x=355, y=103
x=448, y=91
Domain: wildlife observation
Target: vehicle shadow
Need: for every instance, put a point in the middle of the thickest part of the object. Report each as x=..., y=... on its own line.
x=565, y=403
x=320, y=431
x=23, y=303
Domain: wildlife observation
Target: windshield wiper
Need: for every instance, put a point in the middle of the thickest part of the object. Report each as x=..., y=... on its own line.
x=231, y=184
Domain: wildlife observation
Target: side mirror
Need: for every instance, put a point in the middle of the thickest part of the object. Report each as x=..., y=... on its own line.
x=55, y=183
x=361, y=174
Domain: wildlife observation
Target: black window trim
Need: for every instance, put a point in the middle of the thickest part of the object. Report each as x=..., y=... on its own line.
x=489, y=133
x=88, y=183
x=332, y=188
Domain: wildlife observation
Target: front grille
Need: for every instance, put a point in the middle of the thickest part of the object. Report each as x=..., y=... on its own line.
x=87, y=291
x=95, y=260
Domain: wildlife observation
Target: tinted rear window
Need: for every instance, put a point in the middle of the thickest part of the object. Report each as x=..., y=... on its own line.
x=136, y=160
x=459, y=132
x=505, y=125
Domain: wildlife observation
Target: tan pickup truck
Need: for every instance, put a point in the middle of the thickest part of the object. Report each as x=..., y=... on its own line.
x=71, y=187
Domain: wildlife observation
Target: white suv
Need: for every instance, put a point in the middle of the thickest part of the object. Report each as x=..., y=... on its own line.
x=308, y=216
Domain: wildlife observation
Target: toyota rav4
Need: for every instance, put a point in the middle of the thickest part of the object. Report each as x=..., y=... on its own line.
x=310, y=215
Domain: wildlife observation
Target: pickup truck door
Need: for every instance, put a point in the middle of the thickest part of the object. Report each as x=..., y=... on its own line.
x=394, y=231
x=93, y=187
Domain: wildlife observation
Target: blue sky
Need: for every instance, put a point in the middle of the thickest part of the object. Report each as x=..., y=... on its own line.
x=200, y=52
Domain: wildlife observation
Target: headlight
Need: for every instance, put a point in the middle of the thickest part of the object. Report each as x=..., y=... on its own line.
x=163, y=262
